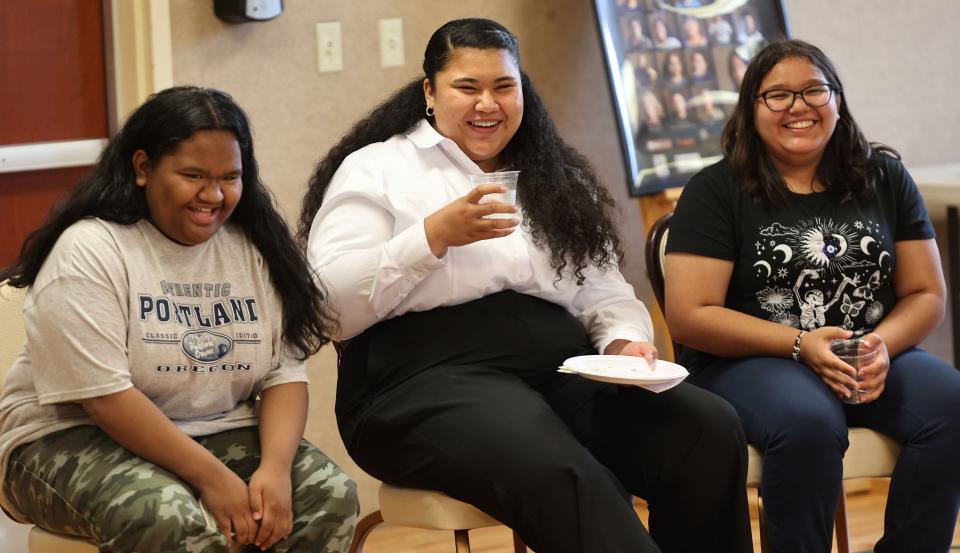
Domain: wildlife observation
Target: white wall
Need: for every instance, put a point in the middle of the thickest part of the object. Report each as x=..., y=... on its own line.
x=900, y=67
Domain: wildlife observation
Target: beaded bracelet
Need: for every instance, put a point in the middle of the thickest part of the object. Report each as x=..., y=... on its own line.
x=796, y=345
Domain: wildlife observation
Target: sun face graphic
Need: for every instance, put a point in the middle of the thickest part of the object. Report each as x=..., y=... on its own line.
x=824, y=244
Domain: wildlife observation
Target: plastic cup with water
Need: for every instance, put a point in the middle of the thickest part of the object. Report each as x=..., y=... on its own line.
x=857, y=353
x=506, y=179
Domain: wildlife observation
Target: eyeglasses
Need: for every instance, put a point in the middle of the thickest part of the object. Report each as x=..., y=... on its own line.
x=814, y=96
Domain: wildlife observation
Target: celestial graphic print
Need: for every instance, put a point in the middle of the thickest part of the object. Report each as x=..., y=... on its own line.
x=819, y=270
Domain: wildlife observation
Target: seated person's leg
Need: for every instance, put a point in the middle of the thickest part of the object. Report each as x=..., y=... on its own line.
x=682, y=450
x=325, y=505
x=920, y=408
x=80, y=482
x=325, y=501
x=798, y=423
x=485, y=437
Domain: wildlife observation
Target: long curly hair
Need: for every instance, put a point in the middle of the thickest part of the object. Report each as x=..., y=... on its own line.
x=110, y=192
x=566, y=209
x=846, y=169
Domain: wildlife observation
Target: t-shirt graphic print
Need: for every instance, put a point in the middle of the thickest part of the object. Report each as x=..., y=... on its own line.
x=821, y=260
x=818, y=266
x=204, y=321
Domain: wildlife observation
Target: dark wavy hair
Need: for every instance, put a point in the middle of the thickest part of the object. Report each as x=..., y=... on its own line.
x=846, y=169
x=110, y=192
x=567, y=210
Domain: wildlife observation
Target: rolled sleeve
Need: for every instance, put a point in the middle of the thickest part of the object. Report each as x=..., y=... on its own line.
x=288, y=369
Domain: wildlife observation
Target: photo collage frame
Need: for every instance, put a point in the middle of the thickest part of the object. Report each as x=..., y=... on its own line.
x=675, y=67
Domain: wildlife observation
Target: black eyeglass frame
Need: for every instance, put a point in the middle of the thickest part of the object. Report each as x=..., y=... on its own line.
x=831, y=88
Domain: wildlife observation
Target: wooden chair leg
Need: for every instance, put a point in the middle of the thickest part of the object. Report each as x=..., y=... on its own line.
x=462, y=540
x=761, y=516
x=843, y=532
x=518, y=545
x=364, y=527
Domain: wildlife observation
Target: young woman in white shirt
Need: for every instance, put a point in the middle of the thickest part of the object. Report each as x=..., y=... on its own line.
x=453, y=324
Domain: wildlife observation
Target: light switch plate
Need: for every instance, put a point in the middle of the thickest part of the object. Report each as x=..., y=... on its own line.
x=391, y=42
x=329, y=47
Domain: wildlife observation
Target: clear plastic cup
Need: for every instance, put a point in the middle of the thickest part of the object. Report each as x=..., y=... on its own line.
x=858, y=354
x=503, y=178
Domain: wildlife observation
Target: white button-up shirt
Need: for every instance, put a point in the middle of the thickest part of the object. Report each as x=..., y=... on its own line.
x=369, y=247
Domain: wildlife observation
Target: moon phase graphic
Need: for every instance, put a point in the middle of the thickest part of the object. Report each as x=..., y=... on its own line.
x=787, y=252
x=880, y=259
x=765, y=265
x=865, y=243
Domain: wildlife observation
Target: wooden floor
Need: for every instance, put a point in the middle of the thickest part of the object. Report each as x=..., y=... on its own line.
x=864, y=511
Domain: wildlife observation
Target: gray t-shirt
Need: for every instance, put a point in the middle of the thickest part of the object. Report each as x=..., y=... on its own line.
x=197, y=329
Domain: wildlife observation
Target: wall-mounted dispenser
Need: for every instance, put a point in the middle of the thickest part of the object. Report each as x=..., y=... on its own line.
x=240, y=11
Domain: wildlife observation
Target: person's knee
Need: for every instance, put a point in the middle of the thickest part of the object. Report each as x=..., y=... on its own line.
x=342, y=503
x=328, y=529
x=940, y=426
x=721, y=419
x=925, y=390
x=560, y=473
x=325, y=505
x=804, y=430
x=712, y=420
x=169, y=519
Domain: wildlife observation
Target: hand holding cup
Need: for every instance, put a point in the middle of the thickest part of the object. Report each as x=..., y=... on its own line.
x=815, y=353
x=506, y=179
x=469, y=219
x=858, y=353
x=873, y=376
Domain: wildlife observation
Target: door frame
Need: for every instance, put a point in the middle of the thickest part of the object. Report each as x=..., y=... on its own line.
x=140, y=58
x=138, y=62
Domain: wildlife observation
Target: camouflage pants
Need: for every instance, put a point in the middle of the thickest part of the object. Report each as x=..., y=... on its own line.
x=80, y=482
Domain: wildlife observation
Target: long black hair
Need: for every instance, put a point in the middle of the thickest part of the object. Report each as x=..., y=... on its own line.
x=110, y=193
x=566, y=209
x=845, y=170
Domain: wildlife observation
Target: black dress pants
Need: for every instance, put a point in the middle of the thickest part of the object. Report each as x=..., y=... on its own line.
x=466, y=400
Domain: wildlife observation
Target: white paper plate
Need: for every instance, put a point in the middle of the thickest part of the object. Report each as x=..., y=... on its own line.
x=627, y=369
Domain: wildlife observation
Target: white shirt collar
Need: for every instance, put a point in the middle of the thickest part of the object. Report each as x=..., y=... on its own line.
x=424, y=137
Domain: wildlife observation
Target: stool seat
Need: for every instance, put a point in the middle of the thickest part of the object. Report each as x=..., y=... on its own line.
x=41, y=541
x=429, y=510
x=870, y=455
x=426, y=510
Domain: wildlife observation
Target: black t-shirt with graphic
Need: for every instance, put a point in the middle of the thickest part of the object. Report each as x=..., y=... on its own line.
x=817, y=262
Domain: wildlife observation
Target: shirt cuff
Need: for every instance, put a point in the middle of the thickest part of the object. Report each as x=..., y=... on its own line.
x=631, y=334
x=284, y=378
x=410, y=252
x=75, y=396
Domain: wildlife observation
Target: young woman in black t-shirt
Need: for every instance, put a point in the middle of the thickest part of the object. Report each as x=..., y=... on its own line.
x=806, y=233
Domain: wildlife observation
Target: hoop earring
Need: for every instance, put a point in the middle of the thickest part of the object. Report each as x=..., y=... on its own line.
x=429, y=111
